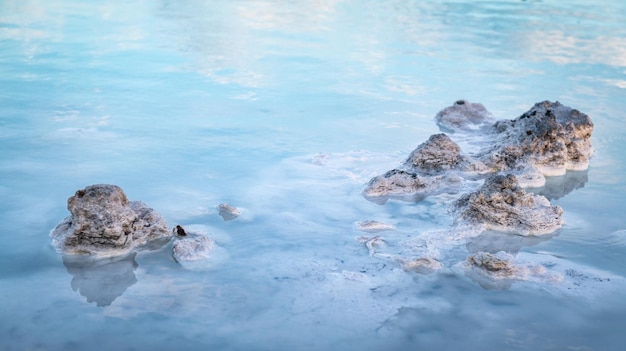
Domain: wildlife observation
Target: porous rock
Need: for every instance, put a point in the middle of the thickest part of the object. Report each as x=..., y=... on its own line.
x=550, y=137
x=437, y=155
x=501, y=204
x=104, y=223
x=547, y=140
x=432, y=168
x=398, y=182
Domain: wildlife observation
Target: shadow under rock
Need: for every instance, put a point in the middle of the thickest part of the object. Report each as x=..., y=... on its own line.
x=101, y=281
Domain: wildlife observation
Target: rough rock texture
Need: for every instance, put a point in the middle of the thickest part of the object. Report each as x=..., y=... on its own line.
x=499, y=265
x=545, y=141
x=464, y=116
x=437, y=155
x=432, y=168
x=500, y=204
x=549, y=137
x=104, y=223
x=398, y=182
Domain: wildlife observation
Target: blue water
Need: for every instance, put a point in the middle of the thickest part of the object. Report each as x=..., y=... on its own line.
x=286, y=110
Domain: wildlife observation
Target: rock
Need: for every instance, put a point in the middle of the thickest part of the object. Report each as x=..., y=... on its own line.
x=434, y=167
x=464, y=116
x=179, y=231
x=423, y=265
x=371, y=243
x=197, y=251
x=102, y=280
x=545, y=141
x=549, y=137
x=104, y=223
x=192, y=248
x=373, y=226
x=500, y=204
x=437, y=155
x=500, y=270
x=499, y=265
x=399, y=182
x=228, y=212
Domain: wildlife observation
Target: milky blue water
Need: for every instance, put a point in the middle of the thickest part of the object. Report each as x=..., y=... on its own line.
x=285, y=110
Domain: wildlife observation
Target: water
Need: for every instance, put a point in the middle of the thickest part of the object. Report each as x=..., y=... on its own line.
x=286, y=110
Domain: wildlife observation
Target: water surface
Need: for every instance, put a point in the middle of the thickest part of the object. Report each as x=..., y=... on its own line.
x=286, y=110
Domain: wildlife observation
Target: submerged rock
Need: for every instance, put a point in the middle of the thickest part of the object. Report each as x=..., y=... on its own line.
x=104, y=223
x=464, y=116
x=371, y=243
x=192, y=248
x=228, y=212
x=197, y=251
x=373, y=226
x=423, y=265
x=500, y=270
x=500, y=204
x=499, y=265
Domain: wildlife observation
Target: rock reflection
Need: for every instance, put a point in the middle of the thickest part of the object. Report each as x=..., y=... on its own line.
x=492, y=242
x=559, y=186
x=101, y=281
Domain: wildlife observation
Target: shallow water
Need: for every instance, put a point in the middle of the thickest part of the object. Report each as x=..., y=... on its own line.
x=285, y=110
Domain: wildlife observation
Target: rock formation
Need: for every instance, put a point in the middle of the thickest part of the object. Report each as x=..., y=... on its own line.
x=103, y=223
x=501, y=204
x=550, y=137
x=434, y=167
x=545, y=141
x=464, y=116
